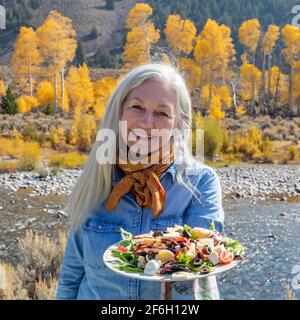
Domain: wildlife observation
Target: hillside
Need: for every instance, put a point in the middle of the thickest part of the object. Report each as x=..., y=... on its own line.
x=108, y=18
x=85, y=15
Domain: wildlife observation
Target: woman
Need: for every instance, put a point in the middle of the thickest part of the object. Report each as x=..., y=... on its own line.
x=136, y=192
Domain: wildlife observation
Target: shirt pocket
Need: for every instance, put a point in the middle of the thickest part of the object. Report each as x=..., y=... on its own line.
x=164, y=221
x=98, y=237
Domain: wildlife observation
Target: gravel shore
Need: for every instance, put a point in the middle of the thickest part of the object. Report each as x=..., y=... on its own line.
x=256, y=181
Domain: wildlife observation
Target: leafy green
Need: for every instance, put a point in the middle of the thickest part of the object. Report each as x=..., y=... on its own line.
x=126, y=235
x=212, y=225
x=208, y=265
x=235, y=248
x=184, y=259
x=129, y=268
x=191, y=231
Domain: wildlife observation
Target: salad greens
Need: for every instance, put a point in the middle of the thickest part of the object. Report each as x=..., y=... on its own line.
x=235, y=247
x=191, y=231
x=129, y=260
x=183, y=258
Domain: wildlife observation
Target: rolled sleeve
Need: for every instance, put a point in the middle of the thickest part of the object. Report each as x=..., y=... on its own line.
x=206, y=207
x=72, y=268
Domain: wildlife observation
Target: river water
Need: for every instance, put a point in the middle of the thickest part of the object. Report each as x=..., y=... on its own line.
x=269, y=229
x=271, y=232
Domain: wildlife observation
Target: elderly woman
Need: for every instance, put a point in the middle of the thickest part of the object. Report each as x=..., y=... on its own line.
x=154, y=183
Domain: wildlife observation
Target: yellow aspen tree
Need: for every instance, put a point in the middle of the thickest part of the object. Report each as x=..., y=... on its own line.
x=26, y=59
x=57, y=45
x=180, y=34
x=269, y=41
x=249, y=35
x=291, y=52
x=141, y=36
x=250, y=78
x=45, y=93
x=240, y=111
x=103, y=89
x=26, y=103
x=211, y=53
x=277, y=84
x=216, y=110
x=297, y=86
x=193, y=74
x=2, y=88
x=226, y=97
x=229, y=56
x=80, y=88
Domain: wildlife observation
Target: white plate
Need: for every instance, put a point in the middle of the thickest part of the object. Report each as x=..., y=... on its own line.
x=111, y=262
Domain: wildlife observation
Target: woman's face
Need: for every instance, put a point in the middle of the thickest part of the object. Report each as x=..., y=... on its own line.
x=149, y=112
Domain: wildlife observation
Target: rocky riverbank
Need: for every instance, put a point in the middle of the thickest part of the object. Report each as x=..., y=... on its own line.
x=256, y=181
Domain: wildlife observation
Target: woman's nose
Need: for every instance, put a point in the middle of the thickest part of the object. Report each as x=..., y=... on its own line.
x=147, y=120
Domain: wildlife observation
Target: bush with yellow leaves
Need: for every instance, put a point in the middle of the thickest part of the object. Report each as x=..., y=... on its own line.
x=26, y=103
x=82, y=132
x=69, y=160
x=30, y=156
x=213, y=133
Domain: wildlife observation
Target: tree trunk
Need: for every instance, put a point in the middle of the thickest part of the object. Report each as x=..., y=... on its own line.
x=253, y=100
x=55, y=93
x=30, y=81
x=291, y=89
x=62, y=89
x=263, y=91
x=234, y=98
x=269, y=83
x=276, y=96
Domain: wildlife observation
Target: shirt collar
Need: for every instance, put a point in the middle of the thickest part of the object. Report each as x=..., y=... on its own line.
x=118, y=173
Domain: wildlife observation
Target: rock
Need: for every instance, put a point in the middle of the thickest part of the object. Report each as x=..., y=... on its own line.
x=283, y=214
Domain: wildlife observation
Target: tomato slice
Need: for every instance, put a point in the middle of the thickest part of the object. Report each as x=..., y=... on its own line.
x=122, y=248
x=225, y=257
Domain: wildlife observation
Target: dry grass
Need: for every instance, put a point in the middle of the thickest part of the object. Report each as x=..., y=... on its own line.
x=36, y=277
x=289, y=292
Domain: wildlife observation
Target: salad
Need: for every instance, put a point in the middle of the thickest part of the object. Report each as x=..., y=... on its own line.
x=180, y=249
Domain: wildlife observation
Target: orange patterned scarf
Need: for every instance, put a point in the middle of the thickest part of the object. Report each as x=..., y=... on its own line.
x=143, y=181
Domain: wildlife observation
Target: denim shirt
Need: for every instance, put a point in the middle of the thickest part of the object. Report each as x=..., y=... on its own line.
x=83, y=274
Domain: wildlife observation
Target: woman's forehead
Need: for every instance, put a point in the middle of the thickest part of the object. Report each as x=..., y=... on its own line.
x=156, y=91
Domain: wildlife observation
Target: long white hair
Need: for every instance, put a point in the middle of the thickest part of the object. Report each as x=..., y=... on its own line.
x=94, y=184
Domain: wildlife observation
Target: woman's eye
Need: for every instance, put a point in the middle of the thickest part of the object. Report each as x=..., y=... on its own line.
x=163, y=114
x=137, y=107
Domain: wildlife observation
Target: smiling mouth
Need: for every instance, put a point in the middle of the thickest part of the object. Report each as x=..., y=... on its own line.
x=143, y=137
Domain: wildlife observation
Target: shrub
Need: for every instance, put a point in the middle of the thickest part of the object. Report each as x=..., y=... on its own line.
x=68, y=160
x=266, y=149
x=292, y=153
x=30, y=156
x=213, y=133
x=36, y=276
x=57, y=137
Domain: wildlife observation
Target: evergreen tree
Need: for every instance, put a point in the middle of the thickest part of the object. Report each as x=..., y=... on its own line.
x=104, y=59
x=8, y=102
x=110, y=4
x=79, y=55
x=94, y=33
